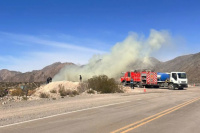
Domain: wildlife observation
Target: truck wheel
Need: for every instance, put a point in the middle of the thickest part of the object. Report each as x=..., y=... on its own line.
x=140, y=85
x=171, y=87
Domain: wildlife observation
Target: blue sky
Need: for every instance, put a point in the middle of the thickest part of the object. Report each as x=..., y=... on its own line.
x=36, y=33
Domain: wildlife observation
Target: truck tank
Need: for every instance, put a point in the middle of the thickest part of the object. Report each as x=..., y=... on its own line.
x=162, y=76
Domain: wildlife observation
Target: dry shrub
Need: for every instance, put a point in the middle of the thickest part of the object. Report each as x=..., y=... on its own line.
x=44, y=95
x=91, y=91
x=25, y=98
x=68, y=92
x=103, y=84
x=63, y=92
x=74, y=93
x=53, y=98
x=2, y=92
x=17, y=92
x=31, y=92
x=53, y=91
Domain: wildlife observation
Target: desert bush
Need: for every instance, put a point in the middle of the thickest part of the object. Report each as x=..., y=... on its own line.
x=90, y=91
x=53, y=91
x=44, y=95
x=61, y=87
x=68, y=92
x=74, y=93
x=31, y=92
x=83, y=86
x=103, y=84
x=2, y=92
x=62, y=92
x=53, y=98
x=25, y=98
x=17, y=92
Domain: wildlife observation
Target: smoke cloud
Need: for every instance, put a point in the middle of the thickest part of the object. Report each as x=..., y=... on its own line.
x=132, y=49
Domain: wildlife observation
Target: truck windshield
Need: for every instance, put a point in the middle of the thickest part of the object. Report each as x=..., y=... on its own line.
x=182, y=75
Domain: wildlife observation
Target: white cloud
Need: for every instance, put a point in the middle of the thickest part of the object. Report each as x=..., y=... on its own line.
x=57, y=44
x=34, y=59
x=38, y=60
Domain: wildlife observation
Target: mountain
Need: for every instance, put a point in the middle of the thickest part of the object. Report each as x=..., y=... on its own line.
x=187, y=63
x=5, y=74
x=34, y=76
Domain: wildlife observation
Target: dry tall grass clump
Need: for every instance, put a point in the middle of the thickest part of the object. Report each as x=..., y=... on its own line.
x=17, y=92
x=67, y=92
x=44, y=95
x=2, y=92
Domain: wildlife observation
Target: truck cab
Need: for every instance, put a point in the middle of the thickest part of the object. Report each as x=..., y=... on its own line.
x=178, y=80
x=126, y=78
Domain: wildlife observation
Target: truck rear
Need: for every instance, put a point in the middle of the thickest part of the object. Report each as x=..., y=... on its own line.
x=140, y=78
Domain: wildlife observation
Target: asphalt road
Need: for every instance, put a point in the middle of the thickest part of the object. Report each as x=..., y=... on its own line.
x=176, y=111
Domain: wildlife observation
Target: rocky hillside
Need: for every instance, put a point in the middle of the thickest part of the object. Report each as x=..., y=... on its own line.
x=187, y=63
x=6, y=74
x=34, y=76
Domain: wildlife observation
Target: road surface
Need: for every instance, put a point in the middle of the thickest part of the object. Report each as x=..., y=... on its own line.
x=176, y=111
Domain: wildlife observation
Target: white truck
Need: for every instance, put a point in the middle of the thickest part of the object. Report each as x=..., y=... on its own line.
x=172, y=80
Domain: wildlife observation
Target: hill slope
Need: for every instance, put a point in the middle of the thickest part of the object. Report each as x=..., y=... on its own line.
x=34, y=76
x=187, y=63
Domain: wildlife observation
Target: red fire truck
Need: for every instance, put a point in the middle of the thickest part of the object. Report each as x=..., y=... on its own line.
x=140, y=78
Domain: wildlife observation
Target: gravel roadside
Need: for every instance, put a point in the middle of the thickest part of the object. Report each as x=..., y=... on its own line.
x=15, y=112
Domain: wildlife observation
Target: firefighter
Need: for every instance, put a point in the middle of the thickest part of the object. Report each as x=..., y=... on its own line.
x=131, y=82
x=80, y=78
x=49, y=79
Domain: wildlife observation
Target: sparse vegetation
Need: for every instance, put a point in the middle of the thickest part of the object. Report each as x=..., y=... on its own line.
x=62, y=91
x=53, y=91
x=31, y=92
x=103, y=84
x=15, y=88
x=25, y=98
x=2, y=92
x=68, y=92
x=17, y=92
x=53, y=98
x=82, y=87
x=44, y=95
x=90, y=91
x=74, y=93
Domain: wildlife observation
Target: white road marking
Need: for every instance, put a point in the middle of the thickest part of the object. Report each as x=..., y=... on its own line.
x=63, y=114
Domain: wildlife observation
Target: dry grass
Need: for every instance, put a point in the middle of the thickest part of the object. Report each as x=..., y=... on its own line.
x=53, y=91
x=31, y=92
x=44, y=95
x=17, y=92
